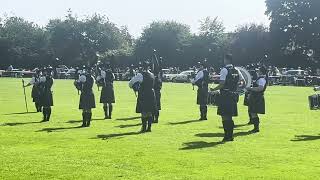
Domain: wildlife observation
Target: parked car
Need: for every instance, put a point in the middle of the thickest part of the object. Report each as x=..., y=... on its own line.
x=185, y=76
x=167, y=75
x=290, y=77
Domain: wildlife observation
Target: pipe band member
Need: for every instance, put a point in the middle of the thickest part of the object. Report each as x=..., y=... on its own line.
x=107, y=97
x=46, y=98
x=228, y=98
x=202, y=81
x=157, y=71
x=143, y=83
x=35, y=93
x=256, y=100
x=87, y=101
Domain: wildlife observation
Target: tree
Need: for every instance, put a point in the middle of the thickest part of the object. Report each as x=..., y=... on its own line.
x=167, y=37
x=295, y=29
x=82, y=41
x=22, y=43
x=250, y=43
x=210, y=43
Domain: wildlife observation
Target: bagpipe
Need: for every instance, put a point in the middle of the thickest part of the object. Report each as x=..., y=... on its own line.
x=314, y=100
x=213, y=96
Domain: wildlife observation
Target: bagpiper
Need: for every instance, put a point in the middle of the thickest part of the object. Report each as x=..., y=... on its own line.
x=46, y=98
x=105, y=80
x=143, y=83
x=202, y=81
x=35, y=93
x=157, y=71
x=84, y=84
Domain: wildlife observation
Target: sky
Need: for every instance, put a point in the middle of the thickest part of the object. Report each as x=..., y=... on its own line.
x=137, y=14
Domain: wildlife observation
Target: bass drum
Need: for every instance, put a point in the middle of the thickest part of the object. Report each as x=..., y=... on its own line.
x=247, y=80
x=314, y=102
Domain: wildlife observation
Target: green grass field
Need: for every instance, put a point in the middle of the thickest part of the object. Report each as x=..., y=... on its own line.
x=180, y=147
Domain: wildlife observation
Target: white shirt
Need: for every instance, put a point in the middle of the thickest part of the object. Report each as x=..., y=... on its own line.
x=33, y=81
x=135, y=79
x=261, y=82
x=224, y=73
x=199, y=76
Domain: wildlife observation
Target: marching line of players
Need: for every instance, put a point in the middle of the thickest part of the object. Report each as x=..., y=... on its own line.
x=148, y=84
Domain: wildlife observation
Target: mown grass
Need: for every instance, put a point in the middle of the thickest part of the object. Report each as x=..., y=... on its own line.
x=180, y=147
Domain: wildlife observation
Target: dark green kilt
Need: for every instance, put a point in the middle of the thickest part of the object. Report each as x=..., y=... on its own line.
x=227, y=104
x=46, y=99
x=87, y=101
x=107, y=94
x=202, y=96
x=146, y=102
x=257, y=104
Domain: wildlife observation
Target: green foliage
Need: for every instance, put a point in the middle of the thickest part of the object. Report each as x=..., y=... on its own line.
x=80, y=41
x=22, y=42
x=251, y=42
x=295, y=27
x=180, y=146
x=167, y=37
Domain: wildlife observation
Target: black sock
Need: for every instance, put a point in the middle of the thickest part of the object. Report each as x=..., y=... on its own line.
x=84, y=118
x=150, y=120
x=105, y=108
x=201, y=112
x=44, y=112
x=256, y=122
x=110, y=110
x=48, y=113
x=144, y=124
x=205, y=111
x=89, y=118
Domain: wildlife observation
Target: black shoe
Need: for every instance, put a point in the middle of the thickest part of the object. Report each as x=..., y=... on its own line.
x=250, y=123
x=225, y=139
x=254, y=131
x=142, y=131
x=203, y=119
x=148, y=130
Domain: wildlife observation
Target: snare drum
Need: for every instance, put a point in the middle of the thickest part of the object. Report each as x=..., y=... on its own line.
x=314, y=102
x=213, y=98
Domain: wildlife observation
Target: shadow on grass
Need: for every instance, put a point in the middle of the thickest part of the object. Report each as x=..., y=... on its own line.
x=80, y=121
x=184, y=122
x=200, y=145
x=109, y=136
x=203, y=144
x=20, y=113
x=129, y=118
x=20, y=123
x=237, y=134
x=128, y=125
x=238, y=126
x=57, y=129
x=306, y=138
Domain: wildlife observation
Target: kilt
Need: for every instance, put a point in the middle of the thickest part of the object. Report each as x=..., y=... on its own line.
x=146, y=102
x=35, y=94
x=46, y=99
x=158, y=99
x=257, y=104
x=87, y=101
x=227, y=104
x=202, y=96
x=107, y=94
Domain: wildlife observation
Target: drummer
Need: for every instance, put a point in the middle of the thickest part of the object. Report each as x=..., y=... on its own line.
x=256, y=101
x=230, y=77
